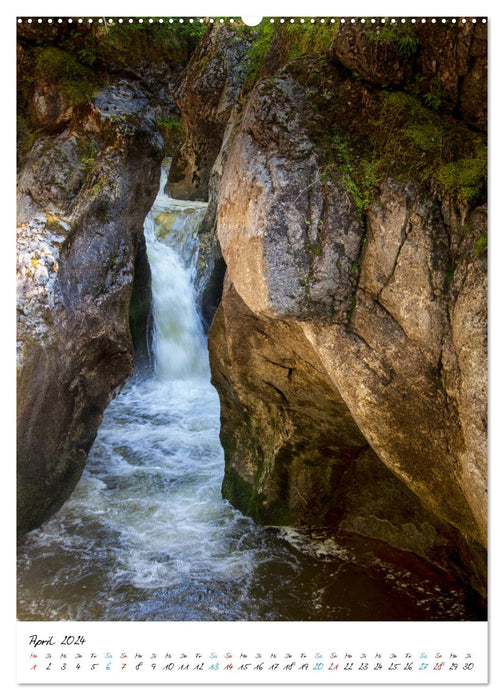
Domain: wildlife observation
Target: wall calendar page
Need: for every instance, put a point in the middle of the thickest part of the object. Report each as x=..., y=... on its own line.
x=251, y=348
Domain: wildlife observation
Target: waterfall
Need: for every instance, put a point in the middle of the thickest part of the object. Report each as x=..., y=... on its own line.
x=179, y=344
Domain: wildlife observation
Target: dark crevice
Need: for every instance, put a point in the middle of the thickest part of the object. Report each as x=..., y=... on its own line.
x=140, y=313
x=277, y=364
x=212, y=293
x=278, y=391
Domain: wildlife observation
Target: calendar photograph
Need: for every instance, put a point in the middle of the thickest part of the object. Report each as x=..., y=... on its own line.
x=251, y=321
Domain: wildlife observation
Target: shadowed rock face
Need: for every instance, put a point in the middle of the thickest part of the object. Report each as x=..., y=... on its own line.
x=280, y=418
x=205, y=96
x=82, y=202
x=451, y=59
x=458, y=66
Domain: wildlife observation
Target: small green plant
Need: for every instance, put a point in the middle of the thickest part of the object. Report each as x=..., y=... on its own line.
x=433, y=100
x=88, y=55
x=306, y=285
x=353, y=304
x=89, y=153
x=314, y=249
x=402, y=37
x=481, y=245
x=262, y=38
x=305, y=38
x=359, y=176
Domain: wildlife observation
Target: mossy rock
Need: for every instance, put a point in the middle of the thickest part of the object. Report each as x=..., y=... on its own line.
x=76, y=82
x=249, y=501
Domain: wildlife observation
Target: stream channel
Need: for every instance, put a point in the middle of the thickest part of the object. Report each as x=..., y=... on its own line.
x=146, y=535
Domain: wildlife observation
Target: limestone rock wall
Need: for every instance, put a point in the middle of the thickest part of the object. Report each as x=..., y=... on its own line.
x=83, y=196
x=349, y=346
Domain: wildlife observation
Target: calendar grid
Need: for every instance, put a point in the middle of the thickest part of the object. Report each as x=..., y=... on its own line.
x=339, y=653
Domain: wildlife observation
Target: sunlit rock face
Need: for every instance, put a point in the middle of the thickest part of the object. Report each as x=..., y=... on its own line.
x=373, y=300
x=386, y=304
x=83, y=196
x=288, y=234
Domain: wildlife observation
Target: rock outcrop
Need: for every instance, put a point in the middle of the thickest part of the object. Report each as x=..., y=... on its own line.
x=205, y=95
x=451, y=61
x=83, y=196
x=349, y=346
x=280, y=414
x=95, y=120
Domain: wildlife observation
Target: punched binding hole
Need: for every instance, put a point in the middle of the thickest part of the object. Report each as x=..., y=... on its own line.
x=252, y=21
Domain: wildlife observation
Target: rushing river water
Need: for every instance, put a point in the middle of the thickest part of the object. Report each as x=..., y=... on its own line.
x=146, y=534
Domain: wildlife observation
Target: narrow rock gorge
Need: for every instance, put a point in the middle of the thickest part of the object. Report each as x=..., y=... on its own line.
x=341, y=271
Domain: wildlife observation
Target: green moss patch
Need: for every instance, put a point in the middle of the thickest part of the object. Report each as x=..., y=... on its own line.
x=403, y=37
x=463, y=178
x=307, y=38
x=281, y=43
x=481, y=246
x=154, y=41
x=77, y=81
x=406, y=140
x=414, y=142
x=172, y=133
